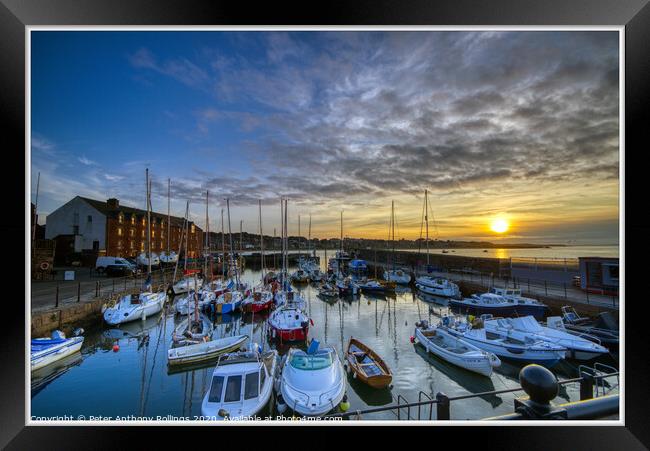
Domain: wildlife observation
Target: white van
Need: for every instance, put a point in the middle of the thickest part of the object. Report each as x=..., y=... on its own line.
x=103, y=262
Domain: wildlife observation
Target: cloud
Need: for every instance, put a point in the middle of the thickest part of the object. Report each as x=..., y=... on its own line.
x=85, y=161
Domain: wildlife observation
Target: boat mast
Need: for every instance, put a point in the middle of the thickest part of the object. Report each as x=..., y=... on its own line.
x=426, y=219
x=169, y=188
x=207, y=235
x=38, y=182
x=299, y=241
x=392, y=220
x=241, y=237
x=180, y=243
x=187, y=239
x=148, y=222
x=223, y=249
x=231, y=244
x=261, y=241
x=309, y=237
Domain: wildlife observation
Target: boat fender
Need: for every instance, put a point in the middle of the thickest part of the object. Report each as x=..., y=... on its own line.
x=345, y=405
x=412, y=339
x=116, y=347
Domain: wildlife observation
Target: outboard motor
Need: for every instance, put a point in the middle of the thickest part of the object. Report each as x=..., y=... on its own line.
x=58, y=335
x=78, y=332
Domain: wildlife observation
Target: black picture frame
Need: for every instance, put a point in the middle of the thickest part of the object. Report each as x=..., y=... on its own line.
x=15, y=15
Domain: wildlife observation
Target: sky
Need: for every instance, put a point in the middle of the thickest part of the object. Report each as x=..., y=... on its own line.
x=522, y=126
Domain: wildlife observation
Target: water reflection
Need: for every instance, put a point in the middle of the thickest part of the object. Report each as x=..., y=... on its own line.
x=136, y=379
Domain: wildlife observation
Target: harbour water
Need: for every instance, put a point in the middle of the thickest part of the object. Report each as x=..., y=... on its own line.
x=135, y=380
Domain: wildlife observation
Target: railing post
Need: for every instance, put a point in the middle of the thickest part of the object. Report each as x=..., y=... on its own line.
x=586, y=387
x=97, y=289
x=57, y=296
x=79, y=292
x=545, y=288
x=564, y=290
x=442, y=408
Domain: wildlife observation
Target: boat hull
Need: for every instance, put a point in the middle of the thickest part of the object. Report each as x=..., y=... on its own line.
x=375, y=381
x=444, y=292
x=289, y=334
x=48, y=356
x=114, y=316
x=507, y=310
x=201, y=352
x=480, y=365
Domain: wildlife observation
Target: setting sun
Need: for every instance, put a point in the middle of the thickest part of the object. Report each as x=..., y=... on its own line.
x=499, y=225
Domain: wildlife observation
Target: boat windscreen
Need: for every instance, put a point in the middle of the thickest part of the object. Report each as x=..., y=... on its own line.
x=215, y=390
x=317, y=361
x=233, y=389
x=251, y=385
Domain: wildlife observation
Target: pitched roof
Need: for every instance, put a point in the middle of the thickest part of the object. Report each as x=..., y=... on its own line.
x=102, y=206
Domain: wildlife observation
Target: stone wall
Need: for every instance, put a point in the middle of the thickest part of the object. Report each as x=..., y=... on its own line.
x=66, y=318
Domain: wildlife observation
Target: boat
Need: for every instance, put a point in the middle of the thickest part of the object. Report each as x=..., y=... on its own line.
x=527, y=327
x=242, y=384
x=168, y=258
x=143, y=260
x=289, y=323
x=455, y=350
x=391, y=273
x=605, y=327
x=45, y=351
x=204, y=351
x=328, y=291
x=259, y=301
x=347, y=286
x=192, y=331
x=300, y=276
x=371, y=285
x=526, y=306
x=312, y=383
x=229, y=302
x=526, y=350
x=357, y=265
x=368, y=367
x=289, y=298
x=398, y=276
x=186, y=303
x=497, y=305
x=437, y=286
x=187, y=283
x=134, y=306
x=316, y=275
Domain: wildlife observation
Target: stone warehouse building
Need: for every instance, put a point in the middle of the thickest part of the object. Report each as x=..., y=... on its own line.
x=95, y=227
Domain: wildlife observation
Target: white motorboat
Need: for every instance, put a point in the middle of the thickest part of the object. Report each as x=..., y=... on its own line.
x=455, y=350
x=398, y=276
x=135, y=306
x=45, y=351
x=527, y=327
x=437, y=286
x=497, y=305
x=186, y=303
x=168, y=258
x=142, y=259
x=242, y=384
x=203, y=351
x=186, y=284
x=527, y=350
x=312, y=384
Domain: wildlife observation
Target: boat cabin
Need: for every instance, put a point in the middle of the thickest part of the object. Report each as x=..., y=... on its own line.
x=320, y=359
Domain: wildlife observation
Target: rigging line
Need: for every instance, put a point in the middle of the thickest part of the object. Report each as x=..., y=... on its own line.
x=421, y=229
x=153, y=364
x=435, y=226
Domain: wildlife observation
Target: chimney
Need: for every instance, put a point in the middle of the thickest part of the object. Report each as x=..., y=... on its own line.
x=113, y=203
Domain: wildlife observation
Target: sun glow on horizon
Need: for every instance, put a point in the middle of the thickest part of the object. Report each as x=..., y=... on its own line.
x=499, y=225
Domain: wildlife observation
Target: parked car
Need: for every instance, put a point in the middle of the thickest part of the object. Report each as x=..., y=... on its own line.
x=104, y=262
x=119, y=271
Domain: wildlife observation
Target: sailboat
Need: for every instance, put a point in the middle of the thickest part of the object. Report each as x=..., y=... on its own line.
x=345, y=285
x=197, y=329
x=168, y=257
x=142, y=303
x=437, y=286
x=187, y=282
x=398, y=276
x=288, y=322
x=262, y=298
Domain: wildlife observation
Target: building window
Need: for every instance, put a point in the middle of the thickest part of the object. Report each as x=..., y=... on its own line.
x=119, y=244
x=131, y=245
x=153, y=234
x=132, y=219
x=120, y=218
x=143, y=221
x=142, y=246
x=143, y=234
x=192, y=228
x=119, y=231
x=75, y=230
x=132, y=232
x=90, y=218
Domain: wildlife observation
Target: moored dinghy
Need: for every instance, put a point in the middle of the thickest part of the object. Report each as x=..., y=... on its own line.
x=367, y=365
x=242, y=384
x=135, y=306
x=45, y=351
x=204, y=351
x=455, y=350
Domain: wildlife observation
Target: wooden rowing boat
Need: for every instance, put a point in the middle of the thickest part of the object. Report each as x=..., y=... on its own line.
x=367, y=365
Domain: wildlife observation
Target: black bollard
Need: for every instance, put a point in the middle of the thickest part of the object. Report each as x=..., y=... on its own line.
x=541, y=386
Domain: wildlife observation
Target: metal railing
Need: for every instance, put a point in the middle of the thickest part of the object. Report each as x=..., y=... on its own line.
x=587, y=380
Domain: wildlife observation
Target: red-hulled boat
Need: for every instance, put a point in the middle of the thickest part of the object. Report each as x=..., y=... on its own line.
x=258, y=302
x=289, y=324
